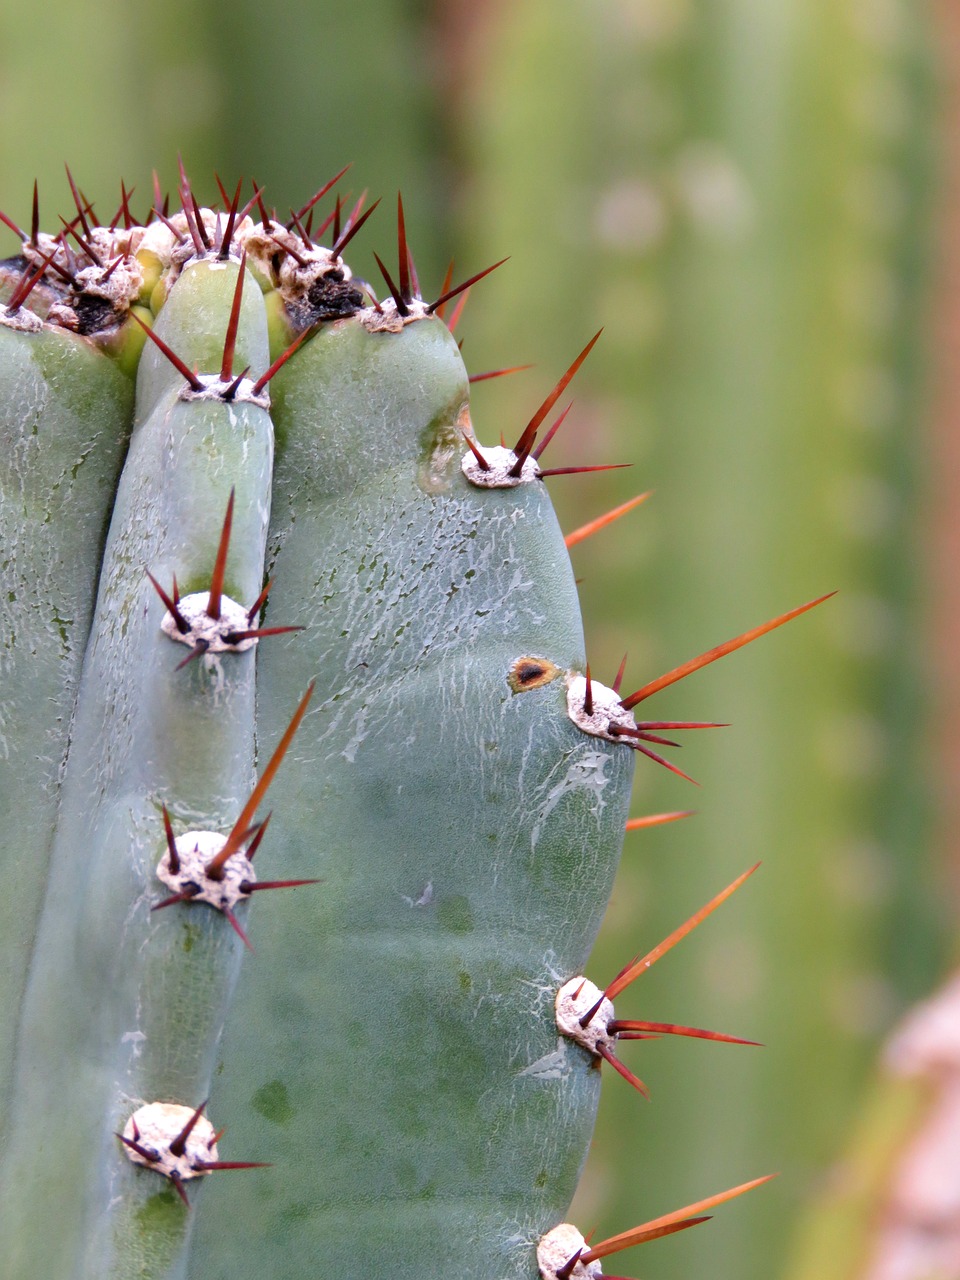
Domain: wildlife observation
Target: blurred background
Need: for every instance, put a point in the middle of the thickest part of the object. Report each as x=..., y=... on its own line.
x=756, y=199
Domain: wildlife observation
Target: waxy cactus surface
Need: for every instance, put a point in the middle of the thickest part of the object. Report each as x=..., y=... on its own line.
x=331, y=627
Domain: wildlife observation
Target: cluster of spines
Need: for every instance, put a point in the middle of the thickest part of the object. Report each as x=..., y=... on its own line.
x=296, y=240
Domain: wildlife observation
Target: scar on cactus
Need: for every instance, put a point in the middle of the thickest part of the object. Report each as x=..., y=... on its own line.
x=562, y=1253
x=586, y=1015
x=177, y=1142
x=204, y=866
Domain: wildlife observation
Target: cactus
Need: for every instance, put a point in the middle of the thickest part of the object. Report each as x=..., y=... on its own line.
x=319, y=587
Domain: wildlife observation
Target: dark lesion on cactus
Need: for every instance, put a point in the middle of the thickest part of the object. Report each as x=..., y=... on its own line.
x=531, y=672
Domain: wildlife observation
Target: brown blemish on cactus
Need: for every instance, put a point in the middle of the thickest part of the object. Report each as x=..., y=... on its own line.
x=532, y=673
x=207, y=867
x=586, y=1014
x=177, y=1142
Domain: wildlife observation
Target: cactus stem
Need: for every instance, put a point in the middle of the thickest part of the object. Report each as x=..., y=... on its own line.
x=594, y=526
x=622, y=1069
x=215, y=598
x=78, y=202
x=452, y=293
x=193, y=380
x=633, y=971
x=721, y=650
x=179, y=620
x=657, y=819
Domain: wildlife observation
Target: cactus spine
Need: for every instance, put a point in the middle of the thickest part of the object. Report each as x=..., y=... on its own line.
x=458, y=783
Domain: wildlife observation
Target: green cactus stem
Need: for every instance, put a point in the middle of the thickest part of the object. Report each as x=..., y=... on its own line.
x=386, y=615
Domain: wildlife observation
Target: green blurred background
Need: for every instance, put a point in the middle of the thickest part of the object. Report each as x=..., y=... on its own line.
x=745, y=195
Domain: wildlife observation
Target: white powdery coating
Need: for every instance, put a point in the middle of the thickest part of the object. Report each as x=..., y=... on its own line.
x=556, y=1249
x=206, y=631
x=500, y=462
x=196, y=850
x=215, y=388
x=576, y=998
x=607, y=710
x=156, y=1125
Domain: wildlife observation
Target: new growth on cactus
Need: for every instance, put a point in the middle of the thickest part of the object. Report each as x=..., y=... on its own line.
x=411, y=1053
